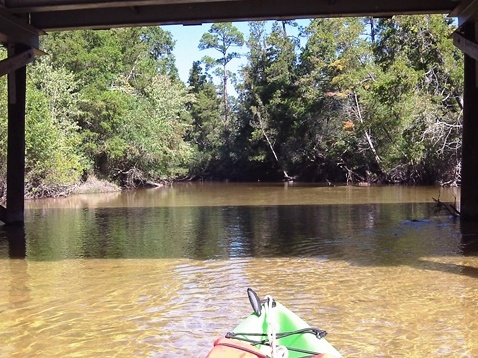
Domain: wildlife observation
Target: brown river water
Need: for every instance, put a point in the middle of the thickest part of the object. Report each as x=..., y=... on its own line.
x=163, y=272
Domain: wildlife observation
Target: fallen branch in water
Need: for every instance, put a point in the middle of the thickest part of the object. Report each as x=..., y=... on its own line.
x=451, y=208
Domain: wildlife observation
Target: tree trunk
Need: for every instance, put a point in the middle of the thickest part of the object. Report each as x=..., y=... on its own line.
x=224, y=95
x=269, y=143
x=367, y=134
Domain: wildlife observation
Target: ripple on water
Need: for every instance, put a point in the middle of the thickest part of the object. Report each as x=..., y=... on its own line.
x=175, y=308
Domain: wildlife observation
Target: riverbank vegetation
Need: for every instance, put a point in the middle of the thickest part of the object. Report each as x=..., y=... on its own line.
x=340, y=100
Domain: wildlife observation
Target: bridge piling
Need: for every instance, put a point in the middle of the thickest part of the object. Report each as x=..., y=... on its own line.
x=14, y=213
x=469, y=169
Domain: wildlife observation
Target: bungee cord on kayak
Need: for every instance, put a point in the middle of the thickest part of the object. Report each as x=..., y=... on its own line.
x=264, y=342
x=316, y=332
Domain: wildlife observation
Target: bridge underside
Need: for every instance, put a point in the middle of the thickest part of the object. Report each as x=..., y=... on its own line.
x=23, y=21
x=74, y=14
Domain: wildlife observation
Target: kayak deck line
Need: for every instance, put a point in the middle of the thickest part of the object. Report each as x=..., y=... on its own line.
x=265, y=342
x=316, y=332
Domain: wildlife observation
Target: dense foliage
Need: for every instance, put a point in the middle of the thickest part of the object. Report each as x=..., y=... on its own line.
x=362, y=100
x=354, y=99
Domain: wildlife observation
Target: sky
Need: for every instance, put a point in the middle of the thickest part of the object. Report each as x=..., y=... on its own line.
x=186, y=49
x=187, y=40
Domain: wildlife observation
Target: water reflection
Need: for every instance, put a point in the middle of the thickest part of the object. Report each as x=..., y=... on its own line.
x=253, y=220
x=12, y=241
x=193, y=222
x=162, y=273
x=187, y=223
x=213, y=232
x=469, y=233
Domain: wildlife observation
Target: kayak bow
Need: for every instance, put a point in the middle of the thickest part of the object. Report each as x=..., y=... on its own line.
x=273, y=331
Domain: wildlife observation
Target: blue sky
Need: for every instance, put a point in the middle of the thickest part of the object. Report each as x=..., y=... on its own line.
x=186, y=49
x=187, y=40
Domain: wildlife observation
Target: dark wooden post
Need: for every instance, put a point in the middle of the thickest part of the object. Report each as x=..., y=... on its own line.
x=17, y=247
x=16, y=141
x=469, y=169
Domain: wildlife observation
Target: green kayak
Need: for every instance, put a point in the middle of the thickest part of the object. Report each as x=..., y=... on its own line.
x=274, y=331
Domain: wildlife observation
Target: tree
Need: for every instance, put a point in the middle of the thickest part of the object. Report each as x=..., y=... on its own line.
x=269, y=98
x=428, y=71
x=155, y=133
x=98, y=57
x=207, y=132
x=254, y=150
x=384, y=95
x=336, y=66
x=121, y=75
x=222, y=37
x=53, y=159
